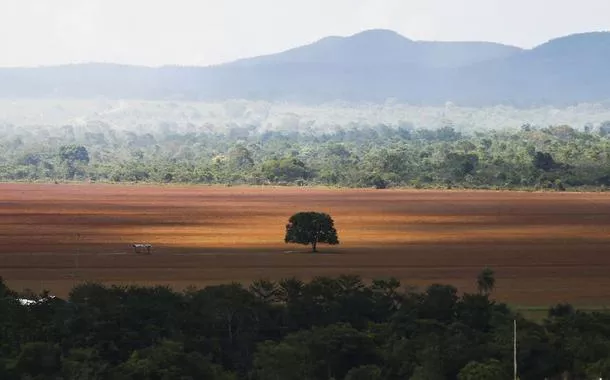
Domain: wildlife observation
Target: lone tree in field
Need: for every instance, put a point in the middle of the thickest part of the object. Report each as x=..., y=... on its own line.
x=486, y=281
x=311, y=228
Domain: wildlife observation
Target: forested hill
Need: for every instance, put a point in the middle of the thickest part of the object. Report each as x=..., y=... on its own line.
x=370, y=66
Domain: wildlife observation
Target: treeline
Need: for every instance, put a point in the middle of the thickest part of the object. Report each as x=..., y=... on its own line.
x=555, y=157
x=330, y=328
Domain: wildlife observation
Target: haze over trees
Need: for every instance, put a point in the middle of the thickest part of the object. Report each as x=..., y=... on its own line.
x=554, y=157
x=261, y=116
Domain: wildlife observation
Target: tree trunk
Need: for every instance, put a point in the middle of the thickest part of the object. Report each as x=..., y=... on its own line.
x=315, y=240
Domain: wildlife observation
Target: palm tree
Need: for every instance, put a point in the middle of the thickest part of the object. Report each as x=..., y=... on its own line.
x=486, y=281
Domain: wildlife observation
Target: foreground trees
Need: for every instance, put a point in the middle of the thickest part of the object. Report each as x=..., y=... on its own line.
x=486, y=281
x=311, y=228
x=329, y=328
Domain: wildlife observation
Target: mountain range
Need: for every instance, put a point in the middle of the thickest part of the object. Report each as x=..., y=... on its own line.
x=371, y=66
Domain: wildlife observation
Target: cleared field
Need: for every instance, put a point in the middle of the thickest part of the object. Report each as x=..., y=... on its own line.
x=545, y=247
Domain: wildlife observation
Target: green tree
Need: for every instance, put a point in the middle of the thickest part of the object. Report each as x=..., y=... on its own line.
x=84, y=363
x=73, y=153
x=366, y=372
x=475, y=311
x=281, y=361
x=599, y=370
x=431, y=364
x=13, y=318
x=73, y=158
x=311, y=228
x=320, y=353
x=375, y=180
x=240, y=157
x=38, y=360
x=168, y=361
x=489, y=370
x=544, y=161
x=439, y=303
x=225, y=321
x=561, y=310
x=486, y=281
x=287, y=169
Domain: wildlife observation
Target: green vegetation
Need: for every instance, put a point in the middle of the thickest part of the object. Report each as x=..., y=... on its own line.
x=486, y=281
x=329, y=328
x=553, y=158
x=311, y=228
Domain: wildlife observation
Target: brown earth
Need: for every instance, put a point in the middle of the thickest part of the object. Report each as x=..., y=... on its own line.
x=545, y=247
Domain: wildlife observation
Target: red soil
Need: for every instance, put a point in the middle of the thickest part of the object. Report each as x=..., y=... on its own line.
x=545, y=247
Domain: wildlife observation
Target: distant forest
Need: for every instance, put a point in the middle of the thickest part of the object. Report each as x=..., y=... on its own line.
x=352, y=154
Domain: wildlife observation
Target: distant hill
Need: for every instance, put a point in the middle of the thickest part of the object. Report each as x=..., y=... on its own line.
x=370, y=66
x=381, y=47
x=562, y=71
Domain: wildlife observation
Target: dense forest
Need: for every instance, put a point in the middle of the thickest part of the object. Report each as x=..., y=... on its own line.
x=329, y=328
x=556, y=157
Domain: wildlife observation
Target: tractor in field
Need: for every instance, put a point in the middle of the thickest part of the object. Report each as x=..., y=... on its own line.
x=142, y=248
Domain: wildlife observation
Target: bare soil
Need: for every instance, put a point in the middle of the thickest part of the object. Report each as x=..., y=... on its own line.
x=545, y=247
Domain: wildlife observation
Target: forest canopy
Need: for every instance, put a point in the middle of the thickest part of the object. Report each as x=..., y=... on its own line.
x=329, y=328
x=554, y=157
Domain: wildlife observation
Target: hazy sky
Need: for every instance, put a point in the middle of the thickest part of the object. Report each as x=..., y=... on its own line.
x=201, y=32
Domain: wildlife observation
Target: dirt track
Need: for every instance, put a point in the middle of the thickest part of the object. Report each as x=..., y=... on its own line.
x=545, y=247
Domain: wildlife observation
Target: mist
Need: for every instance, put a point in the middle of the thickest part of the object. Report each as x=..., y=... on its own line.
x=262, y=116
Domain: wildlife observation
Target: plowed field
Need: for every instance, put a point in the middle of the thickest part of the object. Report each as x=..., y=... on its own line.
x=544, y=247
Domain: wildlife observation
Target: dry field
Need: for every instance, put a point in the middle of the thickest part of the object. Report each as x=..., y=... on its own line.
x=545, y=247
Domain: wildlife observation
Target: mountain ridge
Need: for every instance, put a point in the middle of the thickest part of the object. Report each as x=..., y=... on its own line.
x=377, y=43
x=369, y=66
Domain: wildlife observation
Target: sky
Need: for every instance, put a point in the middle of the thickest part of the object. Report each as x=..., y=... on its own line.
x=205, y=32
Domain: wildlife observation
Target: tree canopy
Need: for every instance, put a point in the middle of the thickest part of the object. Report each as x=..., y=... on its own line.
x=330, y=327
x=311, y=228
x=557, y=157
x=486, y=281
